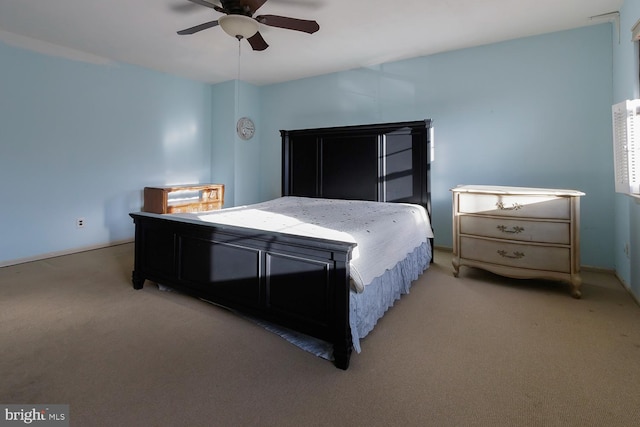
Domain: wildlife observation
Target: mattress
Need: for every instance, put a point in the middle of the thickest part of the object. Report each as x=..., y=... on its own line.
x=385, y=233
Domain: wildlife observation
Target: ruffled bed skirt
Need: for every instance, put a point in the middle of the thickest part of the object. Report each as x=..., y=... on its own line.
x=378, y=296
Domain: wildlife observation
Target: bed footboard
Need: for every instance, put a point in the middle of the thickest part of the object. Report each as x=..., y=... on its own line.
x=298, y=282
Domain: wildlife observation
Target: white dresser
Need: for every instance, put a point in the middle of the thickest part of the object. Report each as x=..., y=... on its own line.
x=518, y=232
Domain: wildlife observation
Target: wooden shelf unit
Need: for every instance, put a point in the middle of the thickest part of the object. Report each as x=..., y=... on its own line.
x=183, y=198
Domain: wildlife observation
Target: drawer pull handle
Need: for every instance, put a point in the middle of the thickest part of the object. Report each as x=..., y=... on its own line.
x=502, y=207
x=516, y=255
x=514, y=230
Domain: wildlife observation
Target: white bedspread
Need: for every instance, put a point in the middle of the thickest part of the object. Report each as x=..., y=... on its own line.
x=385, y=233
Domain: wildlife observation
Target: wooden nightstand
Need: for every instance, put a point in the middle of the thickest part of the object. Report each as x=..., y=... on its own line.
x=183, y=198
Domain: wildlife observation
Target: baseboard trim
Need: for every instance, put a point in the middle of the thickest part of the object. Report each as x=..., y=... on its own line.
x=62, y=253
x=597, y=269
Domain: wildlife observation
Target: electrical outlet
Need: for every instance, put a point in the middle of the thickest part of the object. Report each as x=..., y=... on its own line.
x=80, y=223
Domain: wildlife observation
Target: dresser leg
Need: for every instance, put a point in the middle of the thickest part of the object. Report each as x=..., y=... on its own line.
x=456, y=266
x=576, y=281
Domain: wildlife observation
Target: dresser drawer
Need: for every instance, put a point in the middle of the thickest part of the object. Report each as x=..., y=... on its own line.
x=516, y=229
x=548, y=258
x=531, y=206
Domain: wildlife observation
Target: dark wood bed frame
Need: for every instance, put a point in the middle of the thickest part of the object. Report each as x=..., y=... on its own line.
x=298, y=282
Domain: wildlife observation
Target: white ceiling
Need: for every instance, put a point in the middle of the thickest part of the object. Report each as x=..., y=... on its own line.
x=353, y=33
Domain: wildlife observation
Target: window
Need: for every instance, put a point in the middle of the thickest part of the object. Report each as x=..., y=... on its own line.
x=626, y=133
x=626, y=146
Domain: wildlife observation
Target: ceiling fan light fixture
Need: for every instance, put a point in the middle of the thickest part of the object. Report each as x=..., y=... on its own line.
x=238, y=26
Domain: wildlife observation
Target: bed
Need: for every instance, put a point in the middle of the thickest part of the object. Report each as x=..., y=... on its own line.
x=305, y=272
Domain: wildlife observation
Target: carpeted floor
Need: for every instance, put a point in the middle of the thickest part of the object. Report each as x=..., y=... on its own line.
x=479, y=350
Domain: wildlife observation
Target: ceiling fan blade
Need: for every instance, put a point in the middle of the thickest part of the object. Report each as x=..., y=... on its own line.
x=253, y=5
x=314, y=4
x=208, y=4
x=184, y=7
x=289, y=23
x=197, y=28
x=257, y=42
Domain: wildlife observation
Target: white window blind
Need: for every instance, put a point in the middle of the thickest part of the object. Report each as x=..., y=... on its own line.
x=626, y=146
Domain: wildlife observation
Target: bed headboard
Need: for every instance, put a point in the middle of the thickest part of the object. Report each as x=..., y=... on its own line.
x=387, y=162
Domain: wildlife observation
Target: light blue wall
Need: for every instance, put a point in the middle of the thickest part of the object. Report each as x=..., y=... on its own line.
x=528, y=112
x=627, y=209
x=82, y=140
x=236, y=162
x=87, y=138
x=223, y=165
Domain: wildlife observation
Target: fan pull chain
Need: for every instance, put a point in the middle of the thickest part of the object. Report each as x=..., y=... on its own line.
x=239, y=49
x=238, y=79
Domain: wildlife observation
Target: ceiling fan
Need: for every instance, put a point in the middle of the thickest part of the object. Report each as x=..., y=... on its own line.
x=238, y=21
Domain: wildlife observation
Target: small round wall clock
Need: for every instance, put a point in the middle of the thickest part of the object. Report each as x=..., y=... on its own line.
x=245, y=128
